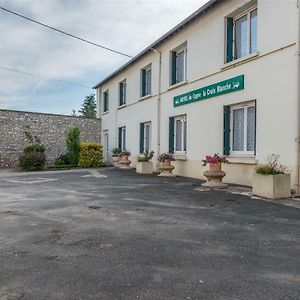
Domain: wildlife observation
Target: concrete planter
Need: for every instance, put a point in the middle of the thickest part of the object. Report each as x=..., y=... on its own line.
x=144, y=167
x=272, y=186
x=166, y=169
x=116, y=161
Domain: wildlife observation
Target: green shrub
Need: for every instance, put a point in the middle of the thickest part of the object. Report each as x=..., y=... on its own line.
x=32, y=161
x=73, y=144
x=35, y=148
x=272, y=167
x=63, y=161
x=91, y=155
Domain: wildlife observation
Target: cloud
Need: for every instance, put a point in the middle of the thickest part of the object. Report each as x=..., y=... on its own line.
x=128, y=26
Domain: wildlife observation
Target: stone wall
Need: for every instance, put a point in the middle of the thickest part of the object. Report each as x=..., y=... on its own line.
x=50, y=129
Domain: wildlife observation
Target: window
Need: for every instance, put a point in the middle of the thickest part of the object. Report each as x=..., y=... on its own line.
x=240, y=130
x=146, y=81
x=122, y=93
x=145, y=137
x=242, y=35
x=178, y=135
x=122, y=138
x=105, y=101
x=178, y=65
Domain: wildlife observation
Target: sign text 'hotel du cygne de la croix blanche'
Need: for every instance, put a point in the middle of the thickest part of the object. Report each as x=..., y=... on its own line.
x=217, y=89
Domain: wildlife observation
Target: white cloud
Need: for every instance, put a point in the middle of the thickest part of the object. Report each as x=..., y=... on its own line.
x=124, y=25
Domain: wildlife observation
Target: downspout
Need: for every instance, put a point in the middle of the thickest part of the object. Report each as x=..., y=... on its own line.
x=158, y=103
x=298, y=96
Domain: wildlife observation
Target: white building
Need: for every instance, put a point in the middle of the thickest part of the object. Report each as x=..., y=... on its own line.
x=224, y=80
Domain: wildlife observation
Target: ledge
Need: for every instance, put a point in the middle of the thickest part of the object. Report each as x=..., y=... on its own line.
x=180, y=157
x=105, y=113
x=174, y=86
x=121, y=106
x=145, y=97
x=246, y=160
x=239, y=61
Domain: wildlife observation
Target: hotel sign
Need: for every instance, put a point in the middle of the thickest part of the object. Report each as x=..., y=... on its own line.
x=217, y=89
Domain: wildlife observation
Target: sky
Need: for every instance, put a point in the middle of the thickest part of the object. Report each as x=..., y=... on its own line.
x=44, y=71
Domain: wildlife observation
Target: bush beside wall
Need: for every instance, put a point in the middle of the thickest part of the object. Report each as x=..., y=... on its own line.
x=90, y=155
x=33, y=158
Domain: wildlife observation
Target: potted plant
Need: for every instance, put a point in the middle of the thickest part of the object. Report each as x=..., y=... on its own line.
x=124, y=161
x=272, y=179
x=115, y=155
x=166, y=168
x=144, y=165
x=214, y=175
x=214, y=162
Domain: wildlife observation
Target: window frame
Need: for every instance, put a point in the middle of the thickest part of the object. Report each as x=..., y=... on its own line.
x=122, y=92
x=244, y=106
x=106, y=101
x=147, y=89
x=183, y=119
x=235, y=19
x=178, y=50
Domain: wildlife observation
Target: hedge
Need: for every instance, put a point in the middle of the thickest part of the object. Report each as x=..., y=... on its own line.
x=90, y=155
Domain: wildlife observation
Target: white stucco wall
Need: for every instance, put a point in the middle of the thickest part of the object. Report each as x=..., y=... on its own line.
x=270, y=79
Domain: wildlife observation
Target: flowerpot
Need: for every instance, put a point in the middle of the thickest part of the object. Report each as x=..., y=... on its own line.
x=124, y=157
x=166, y=169
x=272, y=186
x=215, y=167
x=144, y=167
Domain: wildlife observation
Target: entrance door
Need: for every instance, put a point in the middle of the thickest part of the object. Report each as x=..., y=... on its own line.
x=106, y=146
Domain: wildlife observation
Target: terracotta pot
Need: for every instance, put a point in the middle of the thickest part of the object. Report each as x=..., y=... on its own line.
x=167, y=162
x=124, y=157
x=215, y=167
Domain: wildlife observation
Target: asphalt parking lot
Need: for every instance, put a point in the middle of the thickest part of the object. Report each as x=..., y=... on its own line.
x=111, y=234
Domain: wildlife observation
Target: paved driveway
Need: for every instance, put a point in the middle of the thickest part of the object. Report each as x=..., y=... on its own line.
x=115, y=235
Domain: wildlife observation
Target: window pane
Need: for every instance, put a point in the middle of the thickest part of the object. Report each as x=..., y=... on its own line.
x=178, y=145
x=238, y=130
x=253, y=31
x=147, y=138
x=180, y=66
x=123, y=138
x=148, y=83
x=241, y=37
x=251, y=129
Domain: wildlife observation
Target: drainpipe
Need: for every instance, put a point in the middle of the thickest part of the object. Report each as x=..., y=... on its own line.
x=159, y=103
x=298, y=96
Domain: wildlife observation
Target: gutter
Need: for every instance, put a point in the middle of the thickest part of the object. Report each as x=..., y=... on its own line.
x=158, y=102
x=298, y=97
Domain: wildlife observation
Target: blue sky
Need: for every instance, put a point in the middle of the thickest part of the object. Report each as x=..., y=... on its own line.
x=124, y=25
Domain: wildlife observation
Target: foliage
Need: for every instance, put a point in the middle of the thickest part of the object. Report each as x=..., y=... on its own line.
x=147, y=156
x=73, y=114
x=73, y=144
x=272, y=167
x=214, y=159
x=63, y=160
x=116, y=151
x=35, y=148
x=32, y=161
x=89, y=107
x=91, y=155
x=124, y=153
x=166, y=156
x=32, y=139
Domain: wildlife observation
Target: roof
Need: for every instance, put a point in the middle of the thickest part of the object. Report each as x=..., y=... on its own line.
x=162, y=39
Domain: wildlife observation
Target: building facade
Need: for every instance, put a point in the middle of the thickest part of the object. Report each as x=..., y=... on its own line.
x=225, y=80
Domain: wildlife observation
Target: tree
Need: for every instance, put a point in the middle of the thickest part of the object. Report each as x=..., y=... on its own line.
x=73, y=144
x=73, y=114
x=89, y=107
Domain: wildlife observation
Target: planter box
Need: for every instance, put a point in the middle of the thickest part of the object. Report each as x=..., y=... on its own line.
x=272, y=186
x=144, y=167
